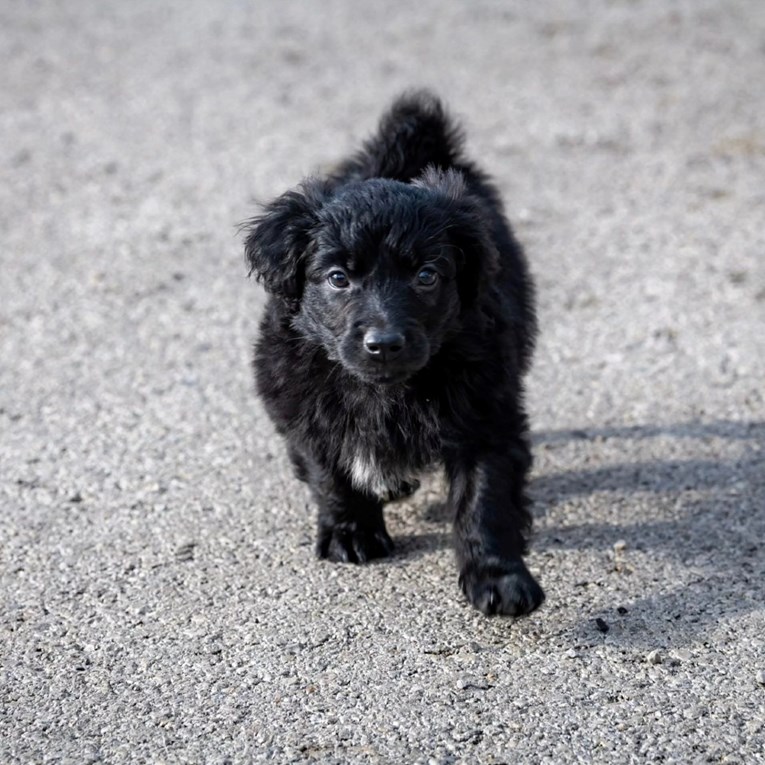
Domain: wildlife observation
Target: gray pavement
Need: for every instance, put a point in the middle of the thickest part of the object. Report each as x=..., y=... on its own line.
x=160, y=601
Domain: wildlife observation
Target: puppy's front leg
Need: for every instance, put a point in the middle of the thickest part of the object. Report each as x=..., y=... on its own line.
x=351, y=524
x=491, y=524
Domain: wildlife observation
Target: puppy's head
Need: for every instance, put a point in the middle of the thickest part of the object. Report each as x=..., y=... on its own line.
x=377, y=272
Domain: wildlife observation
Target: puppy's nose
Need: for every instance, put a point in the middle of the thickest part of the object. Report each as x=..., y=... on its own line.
x=383, y=344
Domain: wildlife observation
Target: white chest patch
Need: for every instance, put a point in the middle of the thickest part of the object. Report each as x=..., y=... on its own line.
x=366, y=474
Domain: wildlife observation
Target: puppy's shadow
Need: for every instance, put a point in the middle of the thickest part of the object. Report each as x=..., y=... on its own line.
x=415, y=544
x=438, y=512
x=410, y=546
x=715, y=519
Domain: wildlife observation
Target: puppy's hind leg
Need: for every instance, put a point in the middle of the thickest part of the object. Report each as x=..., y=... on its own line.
x=351, y=525
x=491, y=525
x=299, y=463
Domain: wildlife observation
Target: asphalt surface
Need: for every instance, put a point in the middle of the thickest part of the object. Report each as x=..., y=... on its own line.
x=160, y=601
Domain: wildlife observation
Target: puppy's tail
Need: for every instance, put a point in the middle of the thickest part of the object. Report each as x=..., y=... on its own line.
x=416, y=132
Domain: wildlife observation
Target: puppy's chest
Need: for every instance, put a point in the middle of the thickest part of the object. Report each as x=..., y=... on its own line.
x=385, y=447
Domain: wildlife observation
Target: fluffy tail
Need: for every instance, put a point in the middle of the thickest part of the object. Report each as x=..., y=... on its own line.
x=414, y=133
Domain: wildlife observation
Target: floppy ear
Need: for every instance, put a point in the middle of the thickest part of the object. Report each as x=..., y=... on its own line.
x=469, y=227
x=278, y=240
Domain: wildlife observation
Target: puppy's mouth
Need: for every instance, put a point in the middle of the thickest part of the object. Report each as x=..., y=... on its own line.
x=377, y=360
x=384, y=377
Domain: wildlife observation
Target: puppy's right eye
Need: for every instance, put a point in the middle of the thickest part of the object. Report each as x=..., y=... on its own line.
x=339, y=280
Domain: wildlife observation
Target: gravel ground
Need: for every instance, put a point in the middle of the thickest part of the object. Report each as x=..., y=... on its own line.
x=160, y=601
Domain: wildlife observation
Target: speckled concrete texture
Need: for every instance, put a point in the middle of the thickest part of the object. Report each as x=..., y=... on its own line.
x=160, y=601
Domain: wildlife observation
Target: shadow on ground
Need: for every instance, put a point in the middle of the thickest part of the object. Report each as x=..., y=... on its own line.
x=714, y=522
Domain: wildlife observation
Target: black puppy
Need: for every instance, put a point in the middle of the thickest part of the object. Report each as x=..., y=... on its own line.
x=400, y=324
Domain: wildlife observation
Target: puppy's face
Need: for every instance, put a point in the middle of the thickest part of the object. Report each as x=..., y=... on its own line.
x=377, y=272
x=380, y=291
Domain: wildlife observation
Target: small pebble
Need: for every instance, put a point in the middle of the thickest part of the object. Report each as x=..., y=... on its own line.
x=469, y=683
x=760, y=677
x=622, y=610
x=185, y=553
x=654, y=657
x=601, y=625
x=620, y=546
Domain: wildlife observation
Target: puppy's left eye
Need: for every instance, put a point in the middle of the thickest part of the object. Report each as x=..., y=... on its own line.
x=339, y=280
x=427, y=277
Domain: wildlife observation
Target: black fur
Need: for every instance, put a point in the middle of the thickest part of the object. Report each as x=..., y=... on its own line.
x=398, y=330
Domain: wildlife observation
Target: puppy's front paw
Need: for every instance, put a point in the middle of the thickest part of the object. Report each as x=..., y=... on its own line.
x=353, y=543
x=497, y=586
